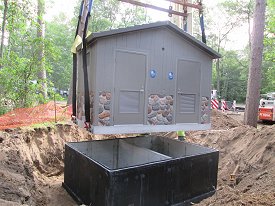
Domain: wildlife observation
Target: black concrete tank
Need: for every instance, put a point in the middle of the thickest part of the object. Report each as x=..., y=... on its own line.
x=139, y=171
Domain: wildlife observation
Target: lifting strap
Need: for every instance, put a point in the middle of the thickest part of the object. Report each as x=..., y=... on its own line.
x=75, y=62
x=203, y=37
x=185, y=27
x=185, y=17
x=85, y=70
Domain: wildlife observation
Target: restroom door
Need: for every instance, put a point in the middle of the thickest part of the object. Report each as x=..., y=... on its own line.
x=188, y=92
x=130, y=70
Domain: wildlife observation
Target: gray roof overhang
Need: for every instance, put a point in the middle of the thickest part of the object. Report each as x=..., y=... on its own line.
x=94, y=36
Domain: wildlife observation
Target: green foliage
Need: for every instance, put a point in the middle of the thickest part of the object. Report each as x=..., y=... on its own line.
x=111, y=14
x=128, y=19
x=19, y=65
x=226, y=71
x=234, y=65
x=233, y=76
x=268, y=74
x=19, y=61
x=103, y=15
x=59, y=35
x=241, y=9
x=16, y=80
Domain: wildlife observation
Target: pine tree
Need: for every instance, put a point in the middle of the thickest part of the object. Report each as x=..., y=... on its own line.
x=254, y=76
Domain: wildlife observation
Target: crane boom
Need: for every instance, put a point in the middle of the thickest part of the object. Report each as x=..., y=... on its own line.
x=170, y=11
x=138, y=3
x=183, y=3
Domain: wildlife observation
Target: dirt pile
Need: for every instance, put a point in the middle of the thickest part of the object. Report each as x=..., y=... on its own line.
x=221, y=120
x=253, y=151
x=31, y=165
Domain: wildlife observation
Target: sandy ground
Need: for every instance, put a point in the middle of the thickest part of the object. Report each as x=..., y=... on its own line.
x=31, y=162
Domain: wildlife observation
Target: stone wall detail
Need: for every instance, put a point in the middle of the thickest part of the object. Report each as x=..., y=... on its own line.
x=80, y=112
x=80, y=109
x=160, y=109
x=104, y=110
x=205, y=110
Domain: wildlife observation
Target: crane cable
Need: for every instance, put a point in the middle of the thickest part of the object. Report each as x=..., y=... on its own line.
x=185, y=28
x=76, y=43
x=203, y=36
x=85, y=70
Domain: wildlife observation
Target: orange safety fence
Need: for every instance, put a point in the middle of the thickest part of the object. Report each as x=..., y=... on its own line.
x=39, y=114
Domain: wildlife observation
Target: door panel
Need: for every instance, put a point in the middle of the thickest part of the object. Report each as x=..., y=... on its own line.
x=130, y=70
x=188, y=91
x=129, y=101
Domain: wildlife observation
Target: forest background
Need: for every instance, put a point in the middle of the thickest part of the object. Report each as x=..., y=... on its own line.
x=36, y=58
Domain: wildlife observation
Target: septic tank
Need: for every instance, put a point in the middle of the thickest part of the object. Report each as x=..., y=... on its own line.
x=139, y=171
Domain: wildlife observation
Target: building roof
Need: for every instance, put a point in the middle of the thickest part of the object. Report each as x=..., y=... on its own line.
x=94, y=36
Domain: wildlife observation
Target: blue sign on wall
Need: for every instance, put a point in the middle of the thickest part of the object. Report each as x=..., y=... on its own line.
x=153, y=73
x=170, y=75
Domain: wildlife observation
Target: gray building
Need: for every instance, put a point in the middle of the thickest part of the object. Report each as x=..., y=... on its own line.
x=147, y=78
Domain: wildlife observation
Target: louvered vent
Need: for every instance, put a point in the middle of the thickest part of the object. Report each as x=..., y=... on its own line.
x=129, y=102
x=187, y=103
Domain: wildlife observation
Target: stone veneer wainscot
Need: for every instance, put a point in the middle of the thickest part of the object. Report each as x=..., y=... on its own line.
x=160, y=109
x=104, y=110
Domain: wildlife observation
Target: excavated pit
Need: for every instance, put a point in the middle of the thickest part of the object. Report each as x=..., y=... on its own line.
x=141, y=171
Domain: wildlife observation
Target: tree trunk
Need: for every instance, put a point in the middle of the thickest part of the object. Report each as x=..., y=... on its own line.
x=249, y=13
x=3, y=27
x=42, y=75
x=254, y=76
x=249, y=34
x=218, y=71
x=218, y=76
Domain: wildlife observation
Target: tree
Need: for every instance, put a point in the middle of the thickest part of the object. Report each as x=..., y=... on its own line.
x=3, y=27
x=233, y=76
x=18, y=75
x=218, y=32
x=133, y=15
x=243, y=11
x=59, y=36
x=111, y=14
x=254, y=77
x=268, y=73
x=42, y=75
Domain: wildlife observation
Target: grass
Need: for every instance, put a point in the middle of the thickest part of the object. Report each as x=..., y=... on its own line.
x=45, y=124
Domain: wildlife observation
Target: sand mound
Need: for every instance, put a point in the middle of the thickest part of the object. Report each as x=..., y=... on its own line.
x=254, y=152
x=32, y=162
x=221, y=120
